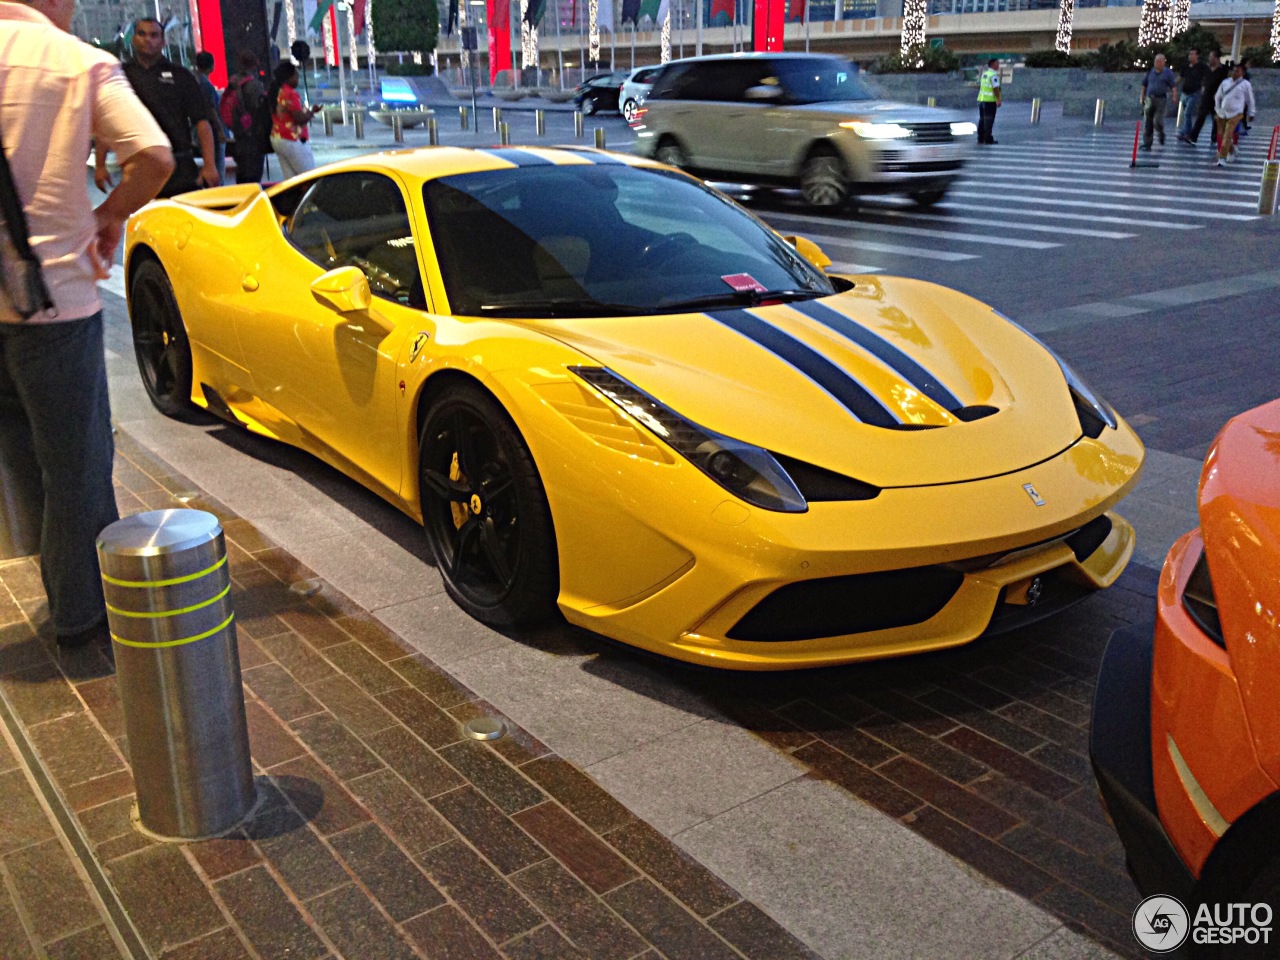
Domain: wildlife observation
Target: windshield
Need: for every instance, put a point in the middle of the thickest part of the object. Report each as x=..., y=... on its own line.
x=603, y=239
x=819, y=80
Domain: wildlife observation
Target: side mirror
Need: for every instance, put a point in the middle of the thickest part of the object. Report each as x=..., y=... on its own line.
x=810, y=251
x=765, y=91
x=345, y=289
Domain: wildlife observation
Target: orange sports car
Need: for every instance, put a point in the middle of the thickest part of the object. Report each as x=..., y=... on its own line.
x=1186, y=726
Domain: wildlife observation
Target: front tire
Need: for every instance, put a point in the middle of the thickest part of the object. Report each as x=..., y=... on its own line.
x=927, y=198
x=671, y=153
x=588, y=106
x=823, y=182
x=485, y=511
x=160, y=340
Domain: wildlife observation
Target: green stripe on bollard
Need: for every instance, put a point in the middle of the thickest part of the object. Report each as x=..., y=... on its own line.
x=164, y=583
x=175, y=643
x=170, y=613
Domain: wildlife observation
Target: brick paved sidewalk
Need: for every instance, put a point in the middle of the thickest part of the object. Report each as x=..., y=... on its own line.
x=383, y=832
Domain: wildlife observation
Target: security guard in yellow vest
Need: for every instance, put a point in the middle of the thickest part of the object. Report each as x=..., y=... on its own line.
x=988, y=100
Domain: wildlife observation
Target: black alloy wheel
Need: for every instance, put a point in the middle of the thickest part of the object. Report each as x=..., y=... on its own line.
x=589, y=106
x=160, y=340
x=485, y=512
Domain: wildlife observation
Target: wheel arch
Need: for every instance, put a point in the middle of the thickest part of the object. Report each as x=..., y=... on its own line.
x=139, y=254
x=1241, y=853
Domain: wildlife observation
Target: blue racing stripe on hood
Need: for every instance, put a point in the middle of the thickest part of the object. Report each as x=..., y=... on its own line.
x=593, y=155
x=837, y=382
x=521, y=158
x=883, y=350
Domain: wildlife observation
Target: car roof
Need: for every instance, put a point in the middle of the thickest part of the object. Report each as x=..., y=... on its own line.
x=760, y=55
x=421, y=164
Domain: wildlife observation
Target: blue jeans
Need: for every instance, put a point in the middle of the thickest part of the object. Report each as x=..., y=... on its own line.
x=1190, y=109
x=55, y=414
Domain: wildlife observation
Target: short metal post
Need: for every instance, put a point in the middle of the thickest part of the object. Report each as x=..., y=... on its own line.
x=433, y=132
x=577, y=124
x=1099, y=112
x=497, y=118
x=1035, y=110
x=397, y=128
x=357, y=115
x=504, y=133
x=328, y=122
x=1182, y=106
x=165, y=578
x=931, y=102
x=540, y=122
x=599, y=138
x=464, y=118
x=1267, y=192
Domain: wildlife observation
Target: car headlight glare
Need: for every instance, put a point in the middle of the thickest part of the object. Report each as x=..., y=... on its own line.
x=964, y=129
x=747, y=471
x=877, y=131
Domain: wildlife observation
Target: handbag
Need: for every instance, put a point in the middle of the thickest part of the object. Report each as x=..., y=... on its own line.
x=21, y=276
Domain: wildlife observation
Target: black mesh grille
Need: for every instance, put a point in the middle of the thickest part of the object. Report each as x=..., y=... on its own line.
x=1089, y=537
x=836, y=606
x=919, y=166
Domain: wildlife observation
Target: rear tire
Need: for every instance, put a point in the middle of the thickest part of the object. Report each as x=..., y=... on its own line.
x=629, y=110
x=927, y=198
x=823, y=181
x=160, y=340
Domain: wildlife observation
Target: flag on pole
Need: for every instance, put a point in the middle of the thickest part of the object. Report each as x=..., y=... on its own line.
x=604, y=15
x=795, y=11
x=653, y=9
x=322, y=8
x=630, y=11
x=453, y=18
x=721, y=6
x=532, y=12
x=358, y=9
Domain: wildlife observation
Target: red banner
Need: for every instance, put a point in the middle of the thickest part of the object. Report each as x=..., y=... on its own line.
x=766, y=32
x=335, y=53
x=795, y=11
x=499, y=36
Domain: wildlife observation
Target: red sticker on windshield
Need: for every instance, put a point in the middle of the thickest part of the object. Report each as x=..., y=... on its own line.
x=743, y=282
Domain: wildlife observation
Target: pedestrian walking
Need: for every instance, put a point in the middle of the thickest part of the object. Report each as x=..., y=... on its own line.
x=58, y=93
x=1232, y=103
x=289, y=122
x=1192, y=86
x=1217, y=72
x=204, y=67
x=246, y=115
x=988, y=101
x=1157, y=87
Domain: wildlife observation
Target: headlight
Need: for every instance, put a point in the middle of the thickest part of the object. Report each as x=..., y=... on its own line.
x=965, y=129
x=878, y=131
x=1089, y=406
x=746, y=471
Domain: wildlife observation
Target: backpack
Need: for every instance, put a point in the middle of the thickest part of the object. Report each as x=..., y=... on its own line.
x=236, y=116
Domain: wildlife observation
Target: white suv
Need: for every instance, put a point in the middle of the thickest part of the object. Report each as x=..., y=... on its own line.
x=635, y=88
x=799, y=120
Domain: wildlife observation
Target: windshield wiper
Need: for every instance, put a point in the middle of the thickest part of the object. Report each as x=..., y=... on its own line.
x=743, y=298
x=559, y=307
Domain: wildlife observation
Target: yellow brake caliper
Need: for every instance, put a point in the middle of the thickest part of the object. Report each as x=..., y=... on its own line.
x=460, y=511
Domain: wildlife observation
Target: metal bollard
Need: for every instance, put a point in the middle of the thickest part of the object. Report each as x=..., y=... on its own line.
x=465, y=118
x=1035, y=110
x=357, y=116
x=599, y=138
x=1267, y=192
x=577, y=124
x=397, y=128
x=931, y=102
x=497, y=118
x=1177, y=124
x=167, y=588
x=1099, y=112
x=328, y=122
x=540, y=122
x=433, y=132
x=504, y=133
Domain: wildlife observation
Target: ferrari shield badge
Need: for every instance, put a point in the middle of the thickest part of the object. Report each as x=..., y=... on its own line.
x=1033, y=494
x=419, y=341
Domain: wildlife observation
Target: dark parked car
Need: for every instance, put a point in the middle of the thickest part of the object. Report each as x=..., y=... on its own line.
x=599, y=92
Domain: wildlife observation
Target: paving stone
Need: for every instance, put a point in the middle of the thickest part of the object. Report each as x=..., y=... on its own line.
x=108, y=820
x=374, y=637
x=587, y=922
x=934, y=754
x=356, y=930
x=764, y=722
x=1069, y=763
x=859, y=780
x=121, y=845
x=336, y=746
x=363, y=667
x=390, y=876
x=165, y=898
x=25, y=822
x=586, y=856
x=427, y=721
x=497, y=779
x=318, y=796
x=989, y=724
x=545, y=943
x=40, y=693
x=284, y=695
x=20, y=648
x=493, y=904
x=690, y=882
x=92, y=944
x=959, y=803
x=358, y=711
x=22, y=579
x=1011, y=764
x=420, y=768
x=270, y=742
x=249, y=652
x=758, y=936
x=517, y=747
x=443, y=690
x=989, y=858
x=302, y=861
x=665, y=924
x=103, y=698
x=224, y=856
x=1113, y=929
x=1080, y=870
x=50, y=890
x=583, y=797
x=320, y=631
x=298, y=657
x=414, y=824
x=81, y=796
x=14, y=942
x=446, y=934
x=1048, y=726
x=220, y=945
x=74, y=750
x=835, y=732
x=507, y=846
x=268, y=918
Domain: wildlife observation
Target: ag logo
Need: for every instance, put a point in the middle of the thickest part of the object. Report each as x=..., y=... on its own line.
x=1161, y=923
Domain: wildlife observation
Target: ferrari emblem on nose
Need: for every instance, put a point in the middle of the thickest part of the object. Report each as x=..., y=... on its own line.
x=1034, y=591
x=1031, y=492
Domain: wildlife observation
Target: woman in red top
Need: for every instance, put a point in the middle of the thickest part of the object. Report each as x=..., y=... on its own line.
x=289, y=121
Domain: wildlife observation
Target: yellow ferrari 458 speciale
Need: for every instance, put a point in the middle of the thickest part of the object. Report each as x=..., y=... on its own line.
x=606, y=389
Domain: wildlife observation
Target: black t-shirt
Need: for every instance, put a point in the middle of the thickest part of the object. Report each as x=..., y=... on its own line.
x=1193, y=78
x=1213, y=80
x=172, y=95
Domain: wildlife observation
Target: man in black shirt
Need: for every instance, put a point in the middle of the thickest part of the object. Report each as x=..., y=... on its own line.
x=1193, y=75
x=1213, y=78
x=172, y=95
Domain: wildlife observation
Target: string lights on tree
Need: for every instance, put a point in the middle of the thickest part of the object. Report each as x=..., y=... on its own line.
x=914, y=14
x=666, y=35
x=1275, y=34
x=593, y=31
x=1154, y=27
x=528, y=37
x=351, y=32
x=291, y=28
x=1066, y=16
x=1181, y=17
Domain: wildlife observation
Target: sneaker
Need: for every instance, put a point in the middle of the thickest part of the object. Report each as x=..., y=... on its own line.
x=1146, y=147
x=1183, y=138
x=1220, y=163
x=97, y=633
x=993, y=142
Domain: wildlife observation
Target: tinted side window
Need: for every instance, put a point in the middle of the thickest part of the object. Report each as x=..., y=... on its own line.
x=647, y=76
x=360, y=220
x=678, y=82
x=717, y=80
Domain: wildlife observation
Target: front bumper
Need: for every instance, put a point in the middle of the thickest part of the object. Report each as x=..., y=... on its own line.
x=1120, y=749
